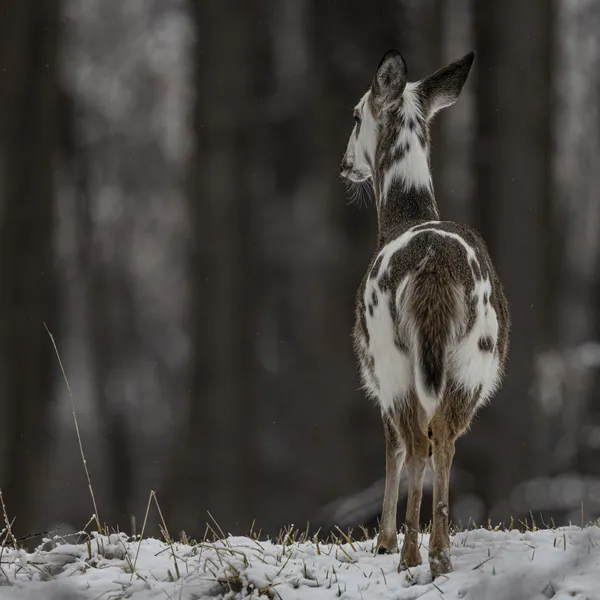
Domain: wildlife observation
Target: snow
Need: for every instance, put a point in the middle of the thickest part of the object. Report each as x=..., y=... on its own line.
x=489, y=565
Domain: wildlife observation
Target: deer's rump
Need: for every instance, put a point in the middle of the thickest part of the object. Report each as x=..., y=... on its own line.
x=427, y=319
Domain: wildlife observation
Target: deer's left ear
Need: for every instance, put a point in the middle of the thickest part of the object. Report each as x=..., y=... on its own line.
x=443, y=87
x=390, y=79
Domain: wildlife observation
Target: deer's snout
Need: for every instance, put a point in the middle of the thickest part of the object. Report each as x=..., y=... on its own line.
x=345, y=166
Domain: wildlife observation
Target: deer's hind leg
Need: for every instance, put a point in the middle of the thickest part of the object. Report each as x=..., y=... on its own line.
x=412, y=423
x=387, y=541
x=449, y=422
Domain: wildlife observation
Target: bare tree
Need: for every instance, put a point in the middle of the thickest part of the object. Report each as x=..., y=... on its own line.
x=122, y=229
x=568, y=376
x=29, y=121
x=272, y=237
x=513, y=152
x=211, y=459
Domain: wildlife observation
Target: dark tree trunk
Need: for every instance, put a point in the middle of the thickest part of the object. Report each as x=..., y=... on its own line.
x=110, y=319
x=341, y=240
x=111, y=315
x=577, y=181
x=513, y=150
x=211, y=461
x=453, y=133
x=274, y=383
x=28, y=155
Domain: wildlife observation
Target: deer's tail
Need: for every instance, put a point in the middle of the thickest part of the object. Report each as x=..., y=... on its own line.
x=433, y=309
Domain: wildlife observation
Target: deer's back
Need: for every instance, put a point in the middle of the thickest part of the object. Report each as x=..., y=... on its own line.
x=457, y=260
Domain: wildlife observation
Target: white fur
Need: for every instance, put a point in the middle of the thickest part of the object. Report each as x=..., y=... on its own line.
x=411, y=105
x=396, y=371
x=393, y=368
x=412, y=169
x=468, y=365
x=411, y=112
x=440, y=101
x=363, y=144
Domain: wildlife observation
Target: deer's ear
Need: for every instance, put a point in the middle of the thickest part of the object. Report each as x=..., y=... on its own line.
x=443, y=87
x=390, y=79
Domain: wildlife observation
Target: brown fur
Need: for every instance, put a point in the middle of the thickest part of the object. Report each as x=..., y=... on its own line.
x=442, y=277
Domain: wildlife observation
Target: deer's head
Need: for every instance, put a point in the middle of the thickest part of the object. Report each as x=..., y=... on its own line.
x=391, y=121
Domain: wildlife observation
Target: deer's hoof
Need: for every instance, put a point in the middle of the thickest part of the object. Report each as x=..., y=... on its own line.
x=404, y=567
x=440, y=563
x=409, y=560
x=387, y=547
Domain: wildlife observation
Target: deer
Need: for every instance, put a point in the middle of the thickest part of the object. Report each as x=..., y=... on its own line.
x=432, y=321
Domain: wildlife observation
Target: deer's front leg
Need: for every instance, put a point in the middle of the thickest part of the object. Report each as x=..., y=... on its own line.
x=387, y=541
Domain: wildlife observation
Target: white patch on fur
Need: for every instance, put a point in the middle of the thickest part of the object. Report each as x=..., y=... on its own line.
x=428, y=401
x=469, y=366
x=412, y=112
x=396, y=371
x=440, y=101
x=412, y=108
x=413, y=169
x=363, y=144
x=393, y=368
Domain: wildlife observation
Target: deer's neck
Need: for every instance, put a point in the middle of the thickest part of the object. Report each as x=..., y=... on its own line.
x=405, y=195
x=402, y=174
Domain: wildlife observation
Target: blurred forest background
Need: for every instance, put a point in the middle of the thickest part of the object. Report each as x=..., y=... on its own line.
x=170, y=205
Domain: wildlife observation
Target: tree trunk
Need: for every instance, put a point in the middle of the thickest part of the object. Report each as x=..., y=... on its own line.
x=212, y=463
x=513, y=42
x=29, y=32
x=577, y=184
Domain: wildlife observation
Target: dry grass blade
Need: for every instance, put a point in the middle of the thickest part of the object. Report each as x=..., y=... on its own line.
x=483, y=563
x=166, y=533
x=9, y=532
x=218, y=526
x=347, y=538
x=87, y=473
x=141, y=535
x=438, y=588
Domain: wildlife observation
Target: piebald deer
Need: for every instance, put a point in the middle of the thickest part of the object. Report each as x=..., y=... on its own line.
x=432, y=322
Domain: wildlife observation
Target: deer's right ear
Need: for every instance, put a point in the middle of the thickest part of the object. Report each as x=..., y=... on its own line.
x=390, y=79
x=443, y=87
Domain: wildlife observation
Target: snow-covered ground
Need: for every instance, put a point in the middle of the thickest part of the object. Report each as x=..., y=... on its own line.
x=489, y=565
